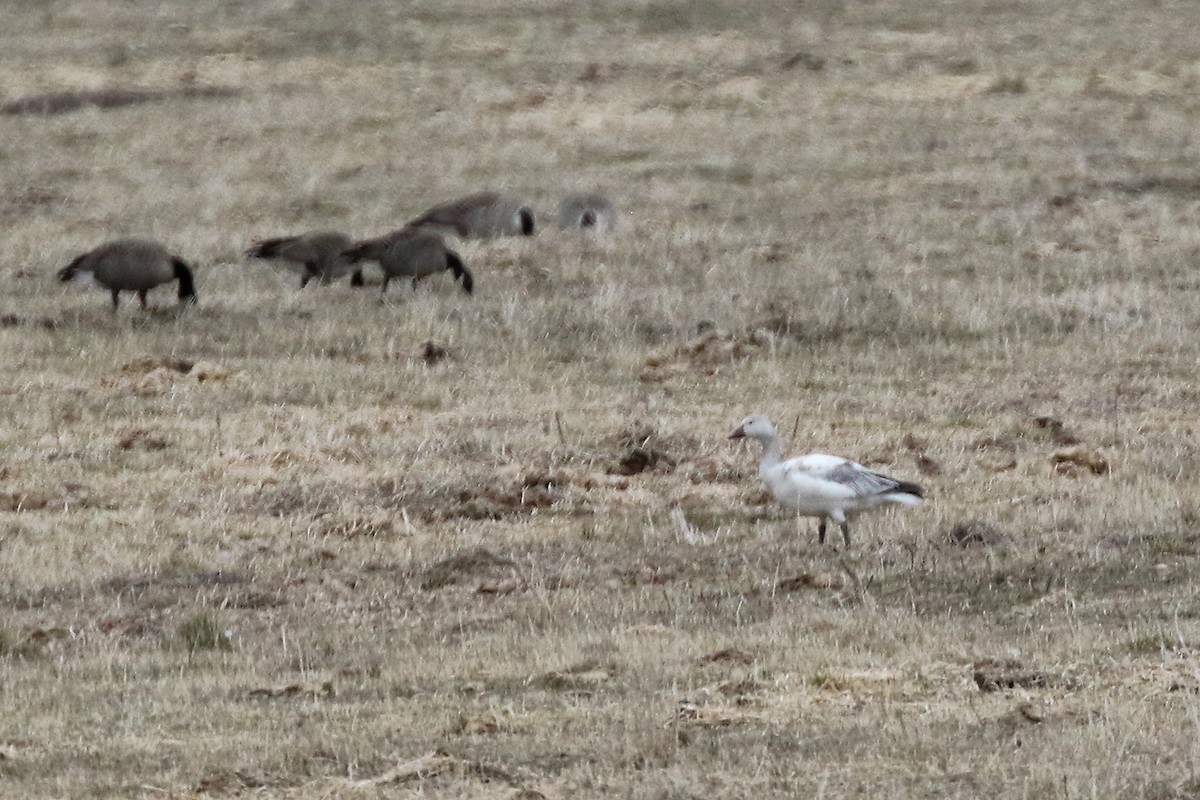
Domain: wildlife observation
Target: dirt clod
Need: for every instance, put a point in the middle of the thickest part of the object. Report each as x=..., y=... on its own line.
x=471, y=565
x=1057, y=430
x=432, y=353
x=1080, y=459
x=54, y=103
x=140, y=439
x=994, y=674
x=975, y=532
x=728, y=655
x=825, y=580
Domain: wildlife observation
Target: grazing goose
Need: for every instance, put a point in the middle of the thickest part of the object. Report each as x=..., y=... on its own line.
x=316, y=255
x=486, y=215
x=817, y=485
x=132, y=265
x=413, y=254
x=587, y=211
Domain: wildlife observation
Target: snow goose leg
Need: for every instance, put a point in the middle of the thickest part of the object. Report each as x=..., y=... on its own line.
x=840, y=518
x=821, y=529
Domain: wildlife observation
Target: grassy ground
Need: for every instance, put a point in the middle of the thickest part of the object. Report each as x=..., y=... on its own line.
x=268, y=547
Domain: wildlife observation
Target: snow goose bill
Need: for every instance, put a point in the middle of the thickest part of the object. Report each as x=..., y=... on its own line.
x=819, y=485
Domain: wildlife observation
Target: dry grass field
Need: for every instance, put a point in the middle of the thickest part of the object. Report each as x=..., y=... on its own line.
x=319, y=543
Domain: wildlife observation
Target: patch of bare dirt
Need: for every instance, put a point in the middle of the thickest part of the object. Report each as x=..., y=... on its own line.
x=729, y=655
x=1078, y=460
x=150, y=376
x=704, y=716
x=642, y=448
x=291, y=499
x=508, y=491
x=1042, y=713
x=182, y=583
x=140, y=439
x=432, y=765
x=301, y=690
x=1057, y=429
x=706, y=354
x=476, y=565
x=974, y=532
x=822, y=581
x=29, y=500
x=475, y=726
x=30, y=199
x=582, y=678
x=433, y=353
x=53, y=103
x=996, y=674
x=354, y=526
x=69, y=497
x=147, y=364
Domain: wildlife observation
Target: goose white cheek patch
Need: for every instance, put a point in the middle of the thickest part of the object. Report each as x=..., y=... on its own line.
x=88, y=280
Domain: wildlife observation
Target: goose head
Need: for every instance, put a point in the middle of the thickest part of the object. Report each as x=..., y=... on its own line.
x=755, y=426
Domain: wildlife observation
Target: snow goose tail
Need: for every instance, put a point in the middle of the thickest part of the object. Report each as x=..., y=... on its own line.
x=822, y=486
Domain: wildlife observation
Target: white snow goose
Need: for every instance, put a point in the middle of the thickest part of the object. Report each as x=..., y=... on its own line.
x=817, y=485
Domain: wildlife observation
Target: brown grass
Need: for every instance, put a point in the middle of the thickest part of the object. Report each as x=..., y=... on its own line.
x=273, y=546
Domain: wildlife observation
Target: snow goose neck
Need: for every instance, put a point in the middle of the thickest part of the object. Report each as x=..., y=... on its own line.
x=822, y=486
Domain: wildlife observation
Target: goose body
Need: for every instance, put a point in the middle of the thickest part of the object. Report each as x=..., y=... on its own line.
x=485, y=215
x=318, y=254
x=409, y=253
x=132, y=265
x=587, y=211
x=823, y=486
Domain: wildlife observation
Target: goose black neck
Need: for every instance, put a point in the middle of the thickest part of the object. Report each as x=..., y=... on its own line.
x=527, y=222
x=187, y=285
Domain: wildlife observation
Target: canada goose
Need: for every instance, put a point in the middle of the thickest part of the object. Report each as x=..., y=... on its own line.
x=132, y=265
x=411, y=253
x=486, y=215
x=587, y=211
x=817, y=485
x=315, y=255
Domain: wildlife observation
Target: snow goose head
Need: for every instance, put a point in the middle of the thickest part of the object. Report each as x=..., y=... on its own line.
x=756, y=427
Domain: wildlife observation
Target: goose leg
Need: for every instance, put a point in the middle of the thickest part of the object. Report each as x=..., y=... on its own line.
x=383, y=290
x=821, y=530
x=142, y=297
x=844, y=524
x=356, y=278
x=116, y=300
